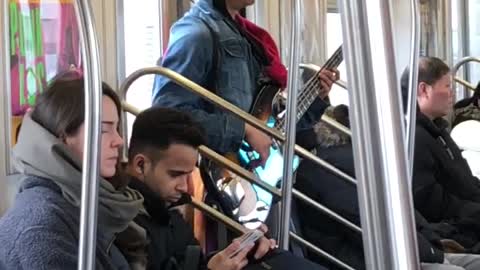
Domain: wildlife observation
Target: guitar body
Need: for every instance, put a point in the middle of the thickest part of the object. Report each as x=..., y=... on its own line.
x=268, y=107
x=250, y=203
x=245, y=202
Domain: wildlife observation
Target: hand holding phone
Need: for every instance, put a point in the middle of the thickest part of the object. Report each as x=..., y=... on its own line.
x=247, y=240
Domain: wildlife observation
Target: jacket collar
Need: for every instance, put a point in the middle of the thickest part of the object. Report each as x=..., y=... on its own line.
x=434, y=127
x=153, y=204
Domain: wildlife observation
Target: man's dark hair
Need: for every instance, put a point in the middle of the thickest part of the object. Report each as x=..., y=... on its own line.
x=157, y=128
x=430, y=70
x=61, y=108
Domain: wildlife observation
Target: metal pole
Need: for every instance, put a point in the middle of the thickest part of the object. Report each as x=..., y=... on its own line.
x=5, y=103
x=5, y=155
x=446, y=40
x=412, y=85
x=380, y=154
x=290, y=129
x=463, y=41
x=120, y=20
x=93, y=110
x=163, y=26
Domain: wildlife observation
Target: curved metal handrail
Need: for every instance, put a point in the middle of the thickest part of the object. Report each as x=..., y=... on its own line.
x=458, y=65
x=252, y=178
x=464, y=61
x=465, y=83
x=90, y=165
x=206, y=94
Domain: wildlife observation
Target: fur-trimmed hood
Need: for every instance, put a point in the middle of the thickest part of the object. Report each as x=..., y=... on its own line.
x=328, y=136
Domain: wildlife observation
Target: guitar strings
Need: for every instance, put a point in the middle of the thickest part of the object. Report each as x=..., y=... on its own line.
x=315, y=84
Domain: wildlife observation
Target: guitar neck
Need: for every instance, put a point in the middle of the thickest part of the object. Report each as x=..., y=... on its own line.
x=312, y=88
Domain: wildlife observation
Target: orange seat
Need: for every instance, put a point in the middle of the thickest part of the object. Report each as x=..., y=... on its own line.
x=196, y=189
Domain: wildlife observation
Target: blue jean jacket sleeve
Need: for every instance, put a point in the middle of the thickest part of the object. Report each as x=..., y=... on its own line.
x=190, y=54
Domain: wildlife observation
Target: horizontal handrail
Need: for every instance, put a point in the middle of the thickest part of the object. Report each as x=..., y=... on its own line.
x=237, y=227
x=325, y=210
x=247, y=175
x=206, y=94
x=252, y=178
x=215, y=214
x=315, y=68
x=319, y=251
x=334, y=123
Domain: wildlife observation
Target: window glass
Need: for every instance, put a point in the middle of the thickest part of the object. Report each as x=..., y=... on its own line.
x=338, y=95
x=44, y=41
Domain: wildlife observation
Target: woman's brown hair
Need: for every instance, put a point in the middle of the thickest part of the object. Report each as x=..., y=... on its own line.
x=61, y=108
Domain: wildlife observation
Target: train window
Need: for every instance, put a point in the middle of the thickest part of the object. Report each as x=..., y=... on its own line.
x=338, y=95
x=44, y=41
x=142, y=42
x=141, y=48
x=37, y=52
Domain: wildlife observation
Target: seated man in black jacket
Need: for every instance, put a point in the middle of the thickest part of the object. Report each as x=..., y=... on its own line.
x=332, y=191
x=444, y=188
x=162, y=155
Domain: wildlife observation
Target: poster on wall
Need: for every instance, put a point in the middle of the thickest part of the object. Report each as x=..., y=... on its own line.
x=44, y=41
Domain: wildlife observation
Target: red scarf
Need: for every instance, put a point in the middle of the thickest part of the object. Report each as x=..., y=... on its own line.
x=276, y=70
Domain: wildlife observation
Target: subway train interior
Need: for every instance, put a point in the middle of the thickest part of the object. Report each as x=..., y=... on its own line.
x=341, y=133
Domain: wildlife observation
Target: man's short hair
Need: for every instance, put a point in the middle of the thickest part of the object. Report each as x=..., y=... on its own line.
x=430, y=70
x=155, y=129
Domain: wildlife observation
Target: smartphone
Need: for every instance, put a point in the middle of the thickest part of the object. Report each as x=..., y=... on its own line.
x=247, y=240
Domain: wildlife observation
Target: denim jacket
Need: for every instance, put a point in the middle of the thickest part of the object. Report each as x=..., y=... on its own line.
x=190, y=53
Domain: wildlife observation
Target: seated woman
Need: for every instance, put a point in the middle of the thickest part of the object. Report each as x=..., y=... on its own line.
x=41, y=230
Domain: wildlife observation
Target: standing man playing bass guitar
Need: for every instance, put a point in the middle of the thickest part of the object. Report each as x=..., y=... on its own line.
x=215, y=47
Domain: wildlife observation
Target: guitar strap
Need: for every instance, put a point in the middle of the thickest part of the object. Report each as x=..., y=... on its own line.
x=214, y=73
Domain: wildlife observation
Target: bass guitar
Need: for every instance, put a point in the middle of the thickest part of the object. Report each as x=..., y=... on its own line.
x=248, y=203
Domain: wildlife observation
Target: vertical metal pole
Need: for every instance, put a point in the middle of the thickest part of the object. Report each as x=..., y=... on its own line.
x=446, y=7
x=5, y=103
x=93, y=110
x=120, y=20
x=161, y=26
x=6, y=84
x=463, y=47
x=412, y=85
x=379, y=150
x=291, y=117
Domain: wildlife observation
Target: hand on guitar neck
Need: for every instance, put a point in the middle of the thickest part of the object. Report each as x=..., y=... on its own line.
x=260, y=142
x=327, y=79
